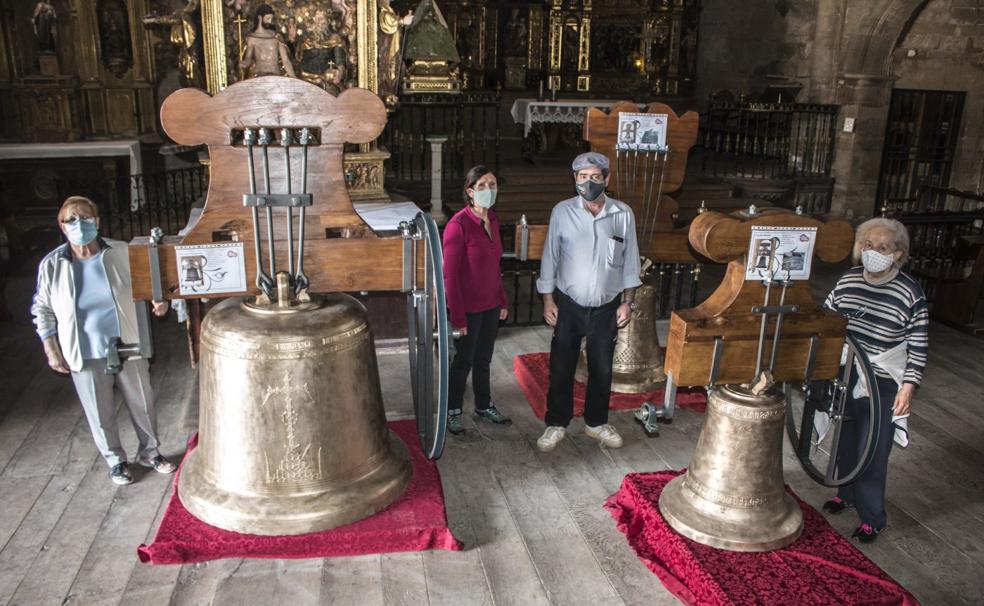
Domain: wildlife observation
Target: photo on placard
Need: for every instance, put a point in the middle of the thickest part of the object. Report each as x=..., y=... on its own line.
x=780, y=253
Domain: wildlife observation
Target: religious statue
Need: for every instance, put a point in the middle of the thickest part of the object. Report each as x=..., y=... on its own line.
x=265, y=51
x=517, y=41
x=184, y=35
x=114, y=34
x=390, y=57
x=322, y=52
x=43, y=21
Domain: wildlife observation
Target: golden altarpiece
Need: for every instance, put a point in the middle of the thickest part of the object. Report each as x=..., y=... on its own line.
x=644, y=47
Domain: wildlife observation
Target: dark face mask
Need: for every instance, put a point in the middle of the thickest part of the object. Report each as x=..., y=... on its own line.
x=589, y=190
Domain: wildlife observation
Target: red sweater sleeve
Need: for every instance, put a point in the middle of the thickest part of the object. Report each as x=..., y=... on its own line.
x=454, y=262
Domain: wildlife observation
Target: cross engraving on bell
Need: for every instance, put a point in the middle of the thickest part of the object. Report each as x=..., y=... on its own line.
x=294, y=466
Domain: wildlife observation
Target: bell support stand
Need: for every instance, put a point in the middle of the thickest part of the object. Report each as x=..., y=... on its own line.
x=759, y=329
x=289, y=379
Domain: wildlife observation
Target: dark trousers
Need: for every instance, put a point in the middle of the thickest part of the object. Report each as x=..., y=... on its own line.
x=473, y=353
x=598, y=325
x=867, y=492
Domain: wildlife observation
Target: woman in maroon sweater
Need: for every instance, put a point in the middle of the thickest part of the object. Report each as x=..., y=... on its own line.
x=476, y=296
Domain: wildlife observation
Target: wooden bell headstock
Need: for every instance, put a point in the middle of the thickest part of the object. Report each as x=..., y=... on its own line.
x=727, y=315
x=341, y=252
x=667, y=244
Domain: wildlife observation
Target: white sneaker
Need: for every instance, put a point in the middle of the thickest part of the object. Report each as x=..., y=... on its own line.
x=550, y=438
x=605, y=434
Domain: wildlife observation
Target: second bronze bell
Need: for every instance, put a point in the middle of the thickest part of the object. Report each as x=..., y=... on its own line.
x=732, y=495
x=637, y=365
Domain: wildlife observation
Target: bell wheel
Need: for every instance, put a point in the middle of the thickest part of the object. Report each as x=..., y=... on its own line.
x=427, y=337
x=818, y=412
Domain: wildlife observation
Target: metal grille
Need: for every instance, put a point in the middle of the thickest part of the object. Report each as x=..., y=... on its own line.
x=469, y=120
x=133, y=205
x=920, y=140
x=768, y=140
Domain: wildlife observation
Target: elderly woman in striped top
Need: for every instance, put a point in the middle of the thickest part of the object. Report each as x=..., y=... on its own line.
x=886, y=311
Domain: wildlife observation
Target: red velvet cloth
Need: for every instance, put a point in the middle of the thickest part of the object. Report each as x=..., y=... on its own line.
x=533, y=373
x=821, y=567
x=415, y=522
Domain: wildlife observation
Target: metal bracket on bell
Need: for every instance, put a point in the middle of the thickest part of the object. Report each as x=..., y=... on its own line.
x=267, y=199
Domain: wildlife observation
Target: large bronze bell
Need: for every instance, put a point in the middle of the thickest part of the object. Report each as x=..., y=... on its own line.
x=732, y=495
x=637, y=365
x=292, y=434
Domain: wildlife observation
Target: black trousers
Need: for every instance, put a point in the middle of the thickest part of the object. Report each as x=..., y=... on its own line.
x=598, y=325
x=473, y=354
x=867, y=492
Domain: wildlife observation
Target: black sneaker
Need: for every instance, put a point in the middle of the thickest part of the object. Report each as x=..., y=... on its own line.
x=835, y=505
x=120, y=474
x=158, y=464
x=866, y=533
x=454, y=423
x=492, y=415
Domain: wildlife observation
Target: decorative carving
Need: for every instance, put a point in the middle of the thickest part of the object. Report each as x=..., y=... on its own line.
x=390, y=55
x=364, y=173
x=322, y=51
x=185, y=36
x=114, y=36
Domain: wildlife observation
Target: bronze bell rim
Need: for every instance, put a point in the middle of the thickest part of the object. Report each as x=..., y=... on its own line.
x=292, y=514
x=744, y=536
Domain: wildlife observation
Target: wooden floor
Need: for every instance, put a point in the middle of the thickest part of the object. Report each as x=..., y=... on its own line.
x=533, y=523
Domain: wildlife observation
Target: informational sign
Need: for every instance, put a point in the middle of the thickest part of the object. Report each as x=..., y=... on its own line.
x=780, y=253
x=643, y=132
x=211, y=269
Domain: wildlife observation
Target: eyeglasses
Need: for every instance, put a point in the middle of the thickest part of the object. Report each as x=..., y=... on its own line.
x=595, y=177
x=74, y=220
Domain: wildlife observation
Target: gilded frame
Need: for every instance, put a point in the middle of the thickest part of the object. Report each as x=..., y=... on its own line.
x=216, y=61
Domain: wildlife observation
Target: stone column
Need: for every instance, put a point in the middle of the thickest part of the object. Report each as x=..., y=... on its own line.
x=437, y=175
x=857, y=155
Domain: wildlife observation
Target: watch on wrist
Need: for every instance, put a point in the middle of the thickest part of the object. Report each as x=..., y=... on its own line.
x=632, y=305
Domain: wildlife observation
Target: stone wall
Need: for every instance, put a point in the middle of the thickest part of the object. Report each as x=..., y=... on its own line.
x=853, y=52
x=944, y=50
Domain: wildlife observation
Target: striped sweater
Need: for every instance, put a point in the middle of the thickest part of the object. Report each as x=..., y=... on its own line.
x=884, y=316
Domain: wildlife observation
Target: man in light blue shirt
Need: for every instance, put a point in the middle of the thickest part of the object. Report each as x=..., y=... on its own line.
x=588, y=275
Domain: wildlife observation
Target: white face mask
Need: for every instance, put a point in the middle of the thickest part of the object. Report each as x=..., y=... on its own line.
x=484, y=197
x=875, y=262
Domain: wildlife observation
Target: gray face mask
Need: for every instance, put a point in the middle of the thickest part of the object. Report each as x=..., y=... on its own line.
x=589, y=190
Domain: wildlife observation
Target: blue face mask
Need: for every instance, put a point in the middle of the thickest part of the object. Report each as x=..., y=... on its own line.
x=81, y=231
x=484, y=198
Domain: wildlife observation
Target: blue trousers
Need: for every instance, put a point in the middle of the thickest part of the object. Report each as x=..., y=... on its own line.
x=867, y=492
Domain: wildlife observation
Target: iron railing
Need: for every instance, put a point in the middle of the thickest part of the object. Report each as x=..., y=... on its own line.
x=933, y=199
x=768, y=140
x=470, y=120
x=131, y=206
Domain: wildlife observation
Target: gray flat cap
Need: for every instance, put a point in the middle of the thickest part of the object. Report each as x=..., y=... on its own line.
x=590, y=159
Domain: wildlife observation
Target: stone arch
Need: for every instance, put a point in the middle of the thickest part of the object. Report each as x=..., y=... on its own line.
x=871, y=42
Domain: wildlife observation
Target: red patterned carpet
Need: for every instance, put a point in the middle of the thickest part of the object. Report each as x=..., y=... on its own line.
x=533, y=373
x=821, y=567
x=416, y=522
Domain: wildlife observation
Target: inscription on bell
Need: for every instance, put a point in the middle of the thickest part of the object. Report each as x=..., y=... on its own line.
x=296, y=464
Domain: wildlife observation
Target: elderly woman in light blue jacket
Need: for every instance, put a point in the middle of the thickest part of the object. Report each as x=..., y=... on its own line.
x=83, y=300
